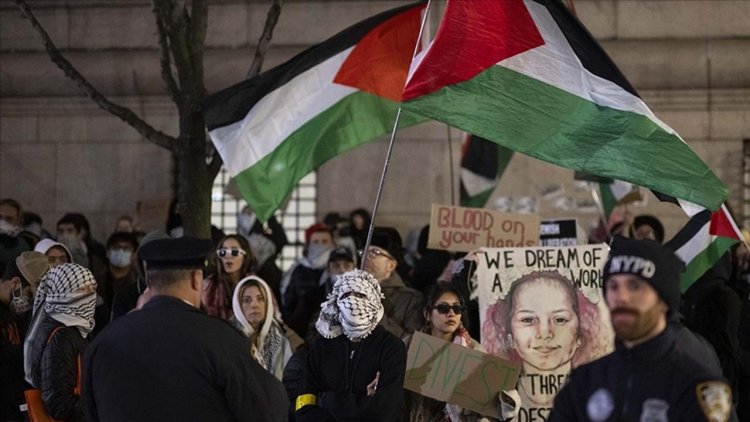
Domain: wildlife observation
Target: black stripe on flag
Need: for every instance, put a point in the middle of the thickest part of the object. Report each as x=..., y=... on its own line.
x=480, y=157
x=589, y=52
x=233, y=103
x=696, y=223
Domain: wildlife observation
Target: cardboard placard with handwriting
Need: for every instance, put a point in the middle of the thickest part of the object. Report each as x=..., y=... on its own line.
x=448, y=372
x=460, y=229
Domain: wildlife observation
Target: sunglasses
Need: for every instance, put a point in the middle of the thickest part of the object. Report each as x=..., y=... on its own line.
x=374, y=253
x=223, y=252
x=444, y=308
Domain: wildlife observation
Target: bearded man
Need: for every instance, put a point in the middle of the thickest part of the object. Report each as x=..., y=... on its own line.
x=649, y=376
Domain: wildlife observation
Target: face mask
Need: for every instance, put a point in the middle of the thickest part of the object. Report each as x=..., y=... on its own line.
x=70, y=240
x=120, y=258
x=9, y=229
x=20, y=303
x=177, y=232
x=318, y=254
x=358, y=316
x=245, y=222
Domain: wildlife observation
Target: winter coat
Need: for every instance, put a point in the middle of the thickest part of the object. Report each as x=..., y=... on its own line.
x=403, y=307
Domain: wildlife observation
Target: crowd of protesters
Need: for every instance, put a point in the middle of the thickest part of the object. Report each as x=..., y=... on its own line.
x=133, y=328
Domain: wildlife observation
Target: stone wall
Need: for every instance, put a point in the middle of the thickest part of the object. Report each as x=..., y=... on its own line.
x=59, y=153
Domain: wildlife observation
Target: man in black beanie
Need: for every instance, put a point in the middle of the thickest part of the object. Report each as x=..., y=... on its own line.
x=403, y=305
x=648, y=376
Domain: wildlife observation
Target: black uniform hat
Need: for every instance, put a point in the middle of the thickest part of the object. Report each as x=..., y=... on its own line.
x=652, y=262
x=174, y=254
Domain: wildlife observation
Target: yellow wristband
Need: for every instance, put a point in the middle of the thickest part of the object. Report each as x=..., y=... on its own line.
x=304, y=400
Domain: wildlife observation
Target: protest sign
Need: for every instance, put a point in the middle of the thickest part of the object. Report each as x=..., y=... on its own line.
x=455, y=374
x=467, y=229
x=543, y=307
x=558, y=233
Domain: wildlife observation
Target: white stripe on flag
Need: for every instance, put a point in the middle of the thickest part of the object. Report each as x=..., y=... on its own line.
x=556, y=64
x=697, y=244
x=279, y=114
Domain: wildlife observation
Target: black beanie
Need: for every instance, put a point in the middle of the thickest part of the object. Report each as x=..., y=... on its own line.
x=652, y=262
x=388, y=239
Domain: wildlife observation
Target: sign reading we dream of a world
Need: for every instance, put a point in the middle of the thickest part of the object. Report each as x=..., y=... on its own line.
x=467, y=229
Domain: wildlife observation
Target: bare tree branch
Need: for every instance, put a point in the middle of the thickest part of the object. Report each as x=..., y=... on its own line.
x=165, y=61
x=265, y=39
x=128, y=116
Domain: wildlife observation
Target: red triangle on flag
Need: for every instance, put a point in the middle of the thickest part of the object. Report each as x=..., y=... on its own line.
x=721, y=224
x=473, y=36
x=380, y=61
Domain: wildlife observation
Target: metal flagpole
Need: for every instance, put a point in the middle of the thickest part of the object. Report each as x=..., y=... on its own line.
x=390, y=150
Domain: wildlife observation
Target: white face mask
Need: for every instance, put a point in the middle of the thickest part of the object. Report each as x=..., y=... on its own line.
x=20, y=303
x=120, y=258
x=9, y=229
x=318, y=254
x=177, y=232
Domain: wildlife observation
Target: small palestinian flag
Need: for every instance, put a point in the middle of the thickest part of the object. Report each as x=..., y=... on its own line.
x=274, y=129
x=704, y=239
x=482, y=165
x=527, y=75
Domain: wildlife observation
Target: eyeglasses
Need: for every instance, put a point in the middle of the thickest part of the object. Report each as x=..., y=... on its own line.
x=223, y=252
x=374, y=253
x=444, y=308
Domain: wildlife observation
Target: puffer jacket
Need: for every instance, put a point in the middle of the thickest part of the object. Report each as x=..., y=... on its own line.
x=54, y=369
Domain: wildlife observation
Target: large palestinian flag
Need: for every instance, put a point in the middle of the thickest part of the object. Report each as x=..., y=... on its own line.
x=274, y=129
x=527, y=75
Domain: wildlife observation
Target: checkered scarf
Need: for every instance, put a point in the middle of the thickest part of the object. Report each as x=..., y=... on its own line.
x=67, y=293
x=355, y=317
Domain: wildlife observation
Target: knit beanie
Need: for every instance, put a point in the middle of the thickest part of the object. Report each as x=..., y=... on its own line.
x=650, y=261
x=388, y=239
x=33, y=266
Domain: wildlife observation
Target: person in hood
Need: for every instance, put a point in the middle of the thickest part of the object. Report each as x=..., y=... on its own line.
x=56, y=252
x=356, y=370
x=255, y=314
x=303, y=284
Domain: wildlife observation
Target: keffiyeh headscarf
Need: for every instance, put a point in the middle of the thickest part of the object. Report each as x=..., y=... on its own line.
x=353, y=307
x=67, y=293
x=271, y=349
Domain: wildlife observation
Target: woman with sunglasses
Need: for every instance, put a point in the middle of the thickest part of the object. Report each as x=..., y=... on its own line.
x=234, y=261
x=443, y=313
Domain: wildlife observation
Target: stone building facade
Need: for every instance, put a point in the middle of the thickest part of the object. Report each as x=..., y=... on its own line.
x=690, y=60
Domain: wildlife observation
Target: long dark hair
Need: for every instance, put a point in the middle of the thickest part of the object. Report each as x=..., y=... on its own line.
x=439, y=289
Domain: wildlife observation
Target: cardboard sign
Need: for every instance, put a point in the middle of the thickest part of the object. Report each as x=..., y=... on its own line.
x=467, y=229
x=543, y=307
x=448, y=372
x=558, y=233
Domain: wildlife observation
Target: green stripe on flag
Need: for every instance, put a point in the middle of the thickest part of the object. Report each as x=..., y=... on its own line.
x=548, y=123
x=355, y=120
x=608, y=198
x=705, y=260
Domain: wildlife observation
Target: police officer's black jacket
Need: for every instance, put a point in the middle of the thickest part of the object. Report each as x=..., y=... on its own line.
x=655, y=381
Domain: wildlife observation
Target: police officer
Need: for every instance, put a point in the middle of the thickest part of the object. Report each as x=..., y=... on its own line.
x=648, y=376
x=171, y=362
